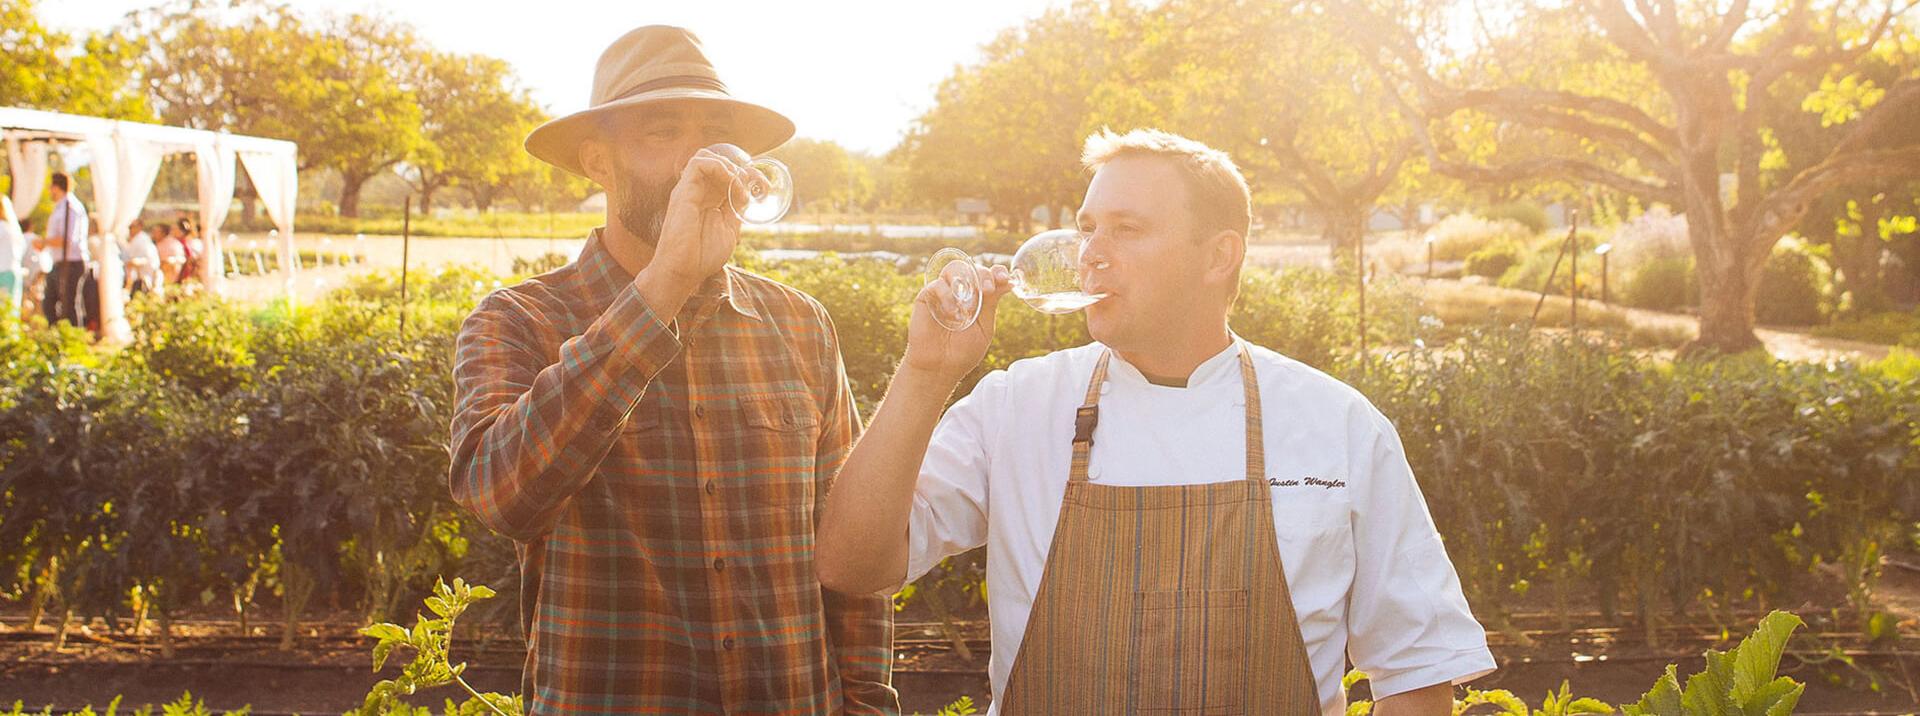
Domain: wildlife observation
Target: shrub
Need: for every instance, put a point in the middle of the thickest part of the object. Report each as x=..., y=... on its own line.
x=1494, y=260
x=1663, y=284
x=1528, y=215
x=1458, y=236
x=1889, y=328
x=1537, y=263
x=1793, y=287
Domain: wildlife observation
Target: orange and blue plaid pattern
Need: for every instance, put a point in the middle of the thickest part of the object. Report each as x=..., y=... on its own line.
x=663, y=479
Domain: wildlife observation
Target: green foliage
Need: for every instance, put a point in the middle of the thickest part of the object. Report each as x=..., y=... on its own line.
x=1663, y=284
x=1559, y=461
x=1458, y=236
x=431, y=641
x=1528, y=215
x=1493, y=260
x=1889, y=328
x=1793, y=287
x=962, y=706
x=1740, y=682
x=42, y=68
x=186, y=705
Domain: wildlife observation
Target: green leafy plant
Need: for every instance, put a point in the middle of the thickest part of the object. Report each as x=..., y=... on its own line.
x=1738, y=682
x=186, y=705
x=431, y=640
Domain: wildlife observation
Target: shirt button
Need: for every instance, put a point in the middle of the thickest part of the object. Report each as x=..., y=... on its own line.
x=699, y=411
x=727, y=643
x=719, y=564
x=710, y=488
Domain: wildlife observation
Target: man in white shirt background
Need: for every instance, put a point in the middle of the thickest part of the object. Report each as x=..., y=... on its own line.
x=66, y=239
x=1129, y=492
x=143, y=261
x=13, y=249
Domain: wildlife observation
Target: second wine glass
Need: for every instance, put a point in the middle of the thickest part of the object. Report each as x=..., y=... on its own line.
x=1047, y=274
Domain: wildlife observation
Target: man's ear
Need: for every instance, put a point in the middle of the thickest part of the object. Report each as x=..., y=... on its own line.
x=1226, y=251
x=596, y=159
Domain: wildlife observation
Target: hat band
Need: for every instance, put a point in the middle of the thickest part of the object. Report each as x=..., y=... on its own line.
x=673, y=82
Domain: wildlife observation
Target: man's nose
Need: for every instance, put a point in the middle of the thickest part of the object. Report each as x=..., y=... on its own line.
x=1093, y=253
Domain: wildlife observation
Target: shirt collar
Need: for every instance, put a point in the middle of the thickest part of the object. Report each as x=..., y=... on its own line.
x=1222, y=364
x=603, y=277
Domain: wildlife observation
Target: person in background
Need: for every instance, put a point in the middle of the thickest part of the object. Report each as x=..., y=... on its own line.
x=34, y=266
x=13, y=247
x=90, y=281
x=66, y=240
x=172, y=252
x=143, y=261
x=194, y=247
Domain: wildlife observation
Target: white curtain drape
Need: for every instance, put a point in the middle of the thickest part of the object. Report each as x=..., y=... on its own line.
x=124, y=168
x=28, y=163
x=276, y=177
x=217, y=178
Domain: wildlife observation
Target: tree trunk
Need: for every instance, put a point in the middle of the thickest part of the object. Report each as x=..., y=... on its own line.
x=1729, y=285
x=426, y=198
x=166, y=633
x=1343, y=227
x=482, y=198
x=297, y=587
x=350, y=186
x=1858, y=258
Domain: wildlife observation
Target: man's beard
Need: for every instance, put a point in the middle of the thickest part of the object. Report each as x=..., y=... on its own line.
x=641, y=208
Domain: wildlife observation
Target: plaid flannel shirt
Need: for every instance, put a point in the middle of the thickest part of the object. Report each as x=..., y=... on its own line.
x=663, y=480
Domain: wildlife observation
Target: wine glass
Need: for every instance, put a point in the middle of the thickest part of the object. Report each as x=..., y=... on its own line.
x=767, y=187
x=959, y=306
x=1046, y=274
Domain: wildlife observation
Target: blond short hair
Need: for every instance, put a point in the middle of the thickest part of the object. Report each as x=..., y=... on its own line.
x=1217, y=195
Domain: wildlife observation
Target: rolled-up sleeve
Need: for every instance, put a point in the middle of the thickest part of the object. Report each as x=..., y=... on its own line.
x=1408, y=623
x=950, y=500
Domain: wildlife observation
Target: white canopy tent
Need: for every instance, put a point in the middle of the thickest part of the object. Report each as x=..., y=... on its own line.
x=126, y=159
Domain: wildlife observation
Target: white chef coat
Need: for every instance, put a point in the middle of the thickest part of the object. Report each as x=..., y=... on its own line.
x=1369, y=576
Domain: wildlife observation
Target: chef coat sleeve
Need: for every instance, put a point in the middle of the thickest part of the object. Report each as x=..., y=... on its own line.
x=950, y=500
x=1408, y=622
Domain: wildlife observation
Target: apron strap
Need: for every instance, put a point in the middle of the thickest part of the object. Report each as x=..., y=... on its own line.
x=1087, y=417
x=1256, y=439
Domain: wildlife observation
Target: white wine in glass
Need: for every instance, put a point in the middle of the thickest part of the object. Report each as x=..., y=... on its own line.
x=1047, y=274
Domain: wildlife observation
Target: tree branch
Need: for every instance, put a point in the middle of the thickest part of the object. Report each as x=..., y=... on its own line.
x=1565, y=169
x=1781, y=210
x=1642, y=122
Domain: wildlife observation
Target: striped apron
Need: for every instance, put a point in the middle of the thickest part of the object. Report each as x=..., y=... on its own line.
x=1163, y=600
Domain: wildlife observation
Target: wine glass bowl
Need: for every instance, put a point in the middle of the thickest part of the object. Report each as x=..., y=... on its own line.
x=957, y=304
x=1047, y=272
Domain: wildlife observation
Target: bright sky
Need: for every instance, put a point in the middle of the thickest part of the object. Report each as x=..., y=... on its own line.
x=853, y=71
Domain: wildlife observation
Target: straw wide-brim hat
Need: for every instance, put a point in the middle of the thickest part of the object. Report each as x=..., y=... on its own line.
x=642, y=69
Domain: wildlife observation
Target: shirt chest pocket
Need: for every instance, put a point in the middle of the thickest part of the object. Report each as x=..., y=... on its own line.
x=776, y=438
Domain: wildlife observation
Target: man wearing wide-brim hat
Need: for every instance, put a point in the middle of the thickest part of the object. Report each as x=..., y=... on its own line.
x=656, y=429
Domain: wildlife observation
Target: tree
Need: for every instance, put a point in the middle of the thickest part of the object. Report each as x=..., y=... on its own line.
x=474, y=118
x=45, y=69
x=1009, y=129
x=825, y=174
x=1671, y=140
x=1284, y=90
x=338, y=87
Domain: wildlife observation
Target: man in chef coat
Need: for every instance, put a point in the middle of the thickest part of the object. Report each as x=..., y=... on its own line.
x=1175, y=519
